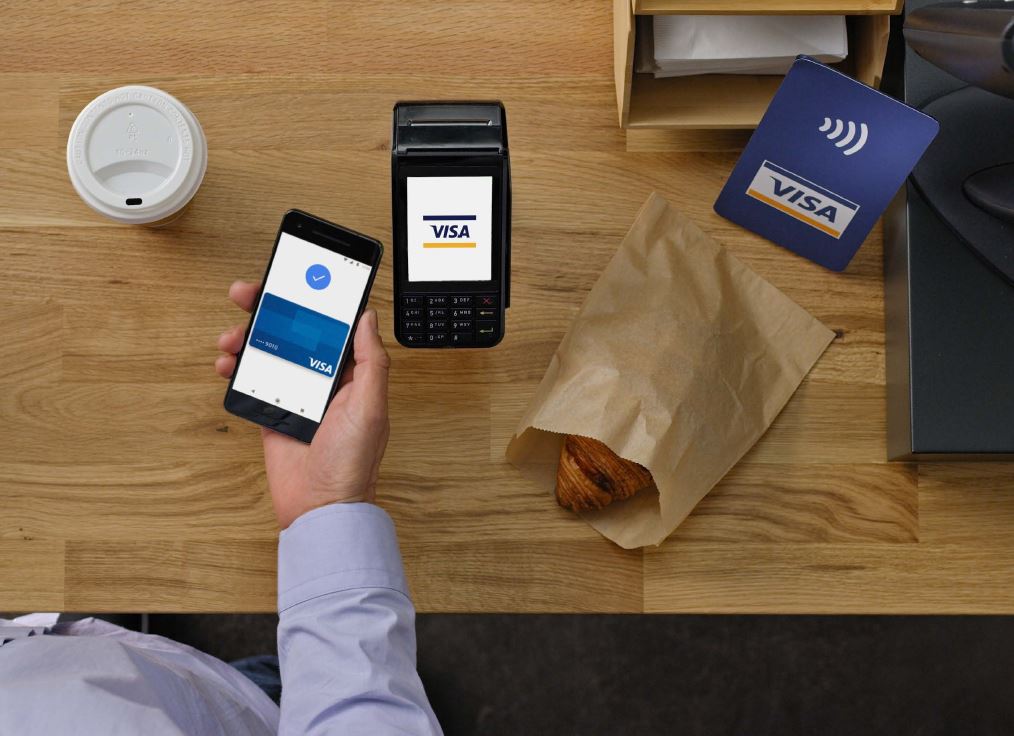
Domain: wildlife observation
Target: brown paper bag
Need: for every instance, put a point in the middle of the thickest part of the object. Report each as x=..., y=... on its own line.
x=680, y=359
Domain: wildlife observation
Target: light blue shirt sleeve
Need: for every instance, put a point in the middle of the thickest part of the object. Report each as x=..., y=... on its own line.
x=346, y=632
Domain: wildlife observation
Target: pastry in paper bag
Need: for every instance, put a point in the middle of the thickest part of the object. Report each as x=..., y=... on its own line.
x=679, y=360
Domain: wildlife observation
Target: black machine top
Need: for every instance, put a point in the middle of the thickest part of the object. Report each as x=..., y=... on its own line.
x=449, y=127
x=971, y=39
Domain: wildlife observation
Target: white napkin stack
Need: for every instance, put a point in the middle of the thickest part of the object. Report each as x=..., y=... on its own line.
x=680, y=45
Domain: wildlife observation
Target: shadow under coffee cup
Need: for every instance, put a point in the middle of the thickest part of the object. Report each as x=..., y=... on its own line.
x=137, y=155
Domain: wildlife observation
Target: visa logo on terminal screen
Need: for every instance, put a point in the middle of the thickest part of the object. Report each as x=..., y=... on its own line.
x=302, y=325
x=449, y=228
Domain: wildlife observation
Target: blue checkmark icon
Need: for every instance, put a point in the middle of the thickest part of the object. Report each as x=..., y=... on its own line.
x=318, y=277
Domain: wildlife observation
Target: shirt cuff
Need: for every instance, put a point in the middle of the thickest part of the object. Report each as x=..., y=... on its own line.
x=338, y=547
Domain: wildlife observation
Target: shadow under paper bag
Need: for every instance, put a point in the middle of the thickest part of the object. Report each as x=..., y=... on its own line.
x=680, y=359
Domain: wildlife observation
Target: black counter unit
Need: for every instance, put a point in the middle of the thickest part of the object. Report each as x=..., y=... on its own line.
x=950, y=316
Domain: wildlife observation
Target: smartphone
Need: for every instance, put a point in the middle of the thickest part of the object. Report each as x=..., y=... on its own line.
x=300, y=335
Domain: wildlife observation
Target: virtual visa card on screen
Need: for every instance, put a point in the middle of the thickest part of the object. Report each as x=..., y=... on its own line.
x=299, y=335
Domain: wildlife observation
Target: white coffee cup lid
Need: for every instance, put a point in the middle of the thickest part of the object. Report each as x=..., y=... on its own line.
x=136, y=154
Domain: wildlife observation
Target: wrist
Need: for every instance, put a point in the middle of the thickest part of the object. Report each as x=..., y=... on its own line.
x=287, y=516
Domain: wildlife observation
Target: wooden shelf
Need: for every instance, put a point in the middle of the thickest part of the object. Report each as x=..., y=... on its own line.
x=767, y=7
x=730, y=100
x=733, y=101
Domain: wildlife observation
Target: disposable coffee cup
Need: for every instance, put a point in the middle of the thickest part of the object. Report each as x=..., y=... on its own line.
x=137, y=155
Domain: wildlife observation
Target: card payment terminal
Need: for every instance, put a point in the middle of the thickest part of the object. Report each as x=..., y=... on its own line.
x=451, y=200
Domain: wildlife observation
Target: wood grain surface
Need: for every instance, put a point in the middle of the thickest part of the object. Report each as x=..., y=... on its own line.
x=125, y=486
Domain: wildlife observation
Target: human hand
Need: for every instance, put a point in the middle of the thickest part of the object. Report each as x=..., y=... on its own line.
x=343, y=461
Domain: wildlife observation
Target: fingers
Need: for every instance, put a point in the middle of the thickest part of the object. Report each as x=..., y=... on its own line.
x=231, y=340
x=372, y=363
x=244, y=294
x=225, y=365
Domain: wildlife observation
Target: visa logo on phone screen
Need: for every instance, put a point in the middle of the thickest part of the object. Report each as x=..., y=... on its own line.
x=449, y=228
x=302, y=327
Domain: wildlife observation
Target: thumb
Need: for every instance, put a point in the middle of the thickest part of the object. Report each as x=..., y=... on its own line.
x=369, y=386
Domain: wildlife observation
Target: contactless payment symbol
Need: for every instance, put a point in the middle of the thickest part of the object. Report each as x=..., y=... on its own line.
x=318, y=277
x=848, y=129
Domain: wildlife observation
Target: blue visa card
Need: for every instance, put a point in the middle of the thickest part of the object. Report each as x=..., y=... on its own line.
x=825, y=161
x=299, y=335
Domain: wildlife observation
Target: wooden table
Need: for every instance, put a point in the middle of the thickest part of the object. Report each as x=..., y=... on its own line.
x=125, y=486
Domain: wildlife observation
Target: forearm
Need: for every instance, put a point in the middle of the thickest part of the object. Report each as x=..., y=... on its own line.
x=346, y=635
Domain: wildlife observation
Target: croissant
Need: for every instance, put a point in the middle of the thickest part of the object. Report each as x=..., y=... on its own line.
x=591, y=476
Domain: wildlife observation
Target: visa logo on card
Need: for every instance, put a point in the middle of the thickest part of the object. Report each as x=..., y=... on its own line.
x=795, y=196
x=824, y=163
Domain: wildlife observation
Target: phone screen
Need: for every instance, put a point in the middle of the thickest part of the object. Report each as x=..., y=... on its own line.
x=301, y=328
x=449, y=223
